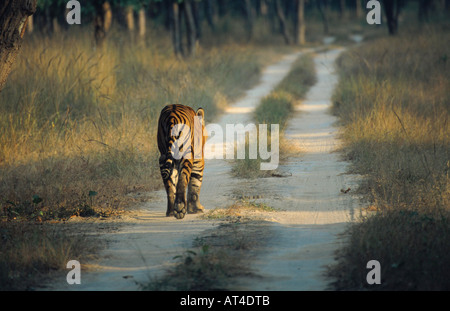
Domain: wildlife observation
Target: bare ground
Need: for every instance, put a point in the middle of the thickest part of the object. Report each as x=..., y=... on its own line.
x=299, y=238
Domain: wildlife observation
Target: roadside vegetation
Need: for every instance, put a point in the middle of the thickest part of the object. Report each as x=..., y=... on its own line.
x=276, y=108
x=78, y=128
x=393, y=103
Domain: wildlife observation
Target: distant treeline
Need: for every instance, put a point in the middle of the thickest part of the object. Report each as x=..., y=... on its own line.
x=186, y=18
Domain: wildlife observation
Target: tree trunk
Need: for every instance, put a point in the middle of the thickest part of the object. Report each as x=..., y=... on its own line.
x=342, y=8
x=299, y=30
x=359, y=11
x=249, y=19
x=209, y=13
x=424, y=7
x=392, y=10
x=129, y=18
x=197, y=20
x=174, y=16
x=282, y=19
x=30, y=24
x=142, y=25
x=323, y=10
x=107, y=16
x=13, y=20
x=190, y=27
x=102, y=21
x=222, y=7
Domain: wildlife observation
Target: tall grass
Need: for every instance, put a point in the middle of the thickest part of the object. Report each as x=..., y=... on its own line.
x=78, y=129
x=393, y=103
x=30, y=253
x=76, y=120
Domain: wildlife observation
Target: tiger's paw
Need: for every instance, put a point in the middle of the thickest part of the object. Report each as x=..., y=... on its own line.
x=179, y=210
x=194, y=208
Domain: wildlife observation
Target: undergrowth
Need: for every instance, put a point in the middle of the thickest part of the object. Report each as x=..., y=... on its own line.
x=393, y=103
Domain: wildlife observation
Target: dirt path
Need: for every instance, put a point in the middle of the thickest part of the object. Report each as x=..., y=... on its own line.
x=313, y=208
x=145, y=240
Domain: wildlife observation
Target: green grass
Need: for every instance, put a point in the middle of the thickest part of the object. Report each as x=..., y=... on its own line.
x=392, y=101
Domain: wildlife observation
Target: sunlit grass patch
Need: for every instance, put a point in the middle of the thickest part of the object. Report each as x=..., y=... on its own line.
x=239, y=209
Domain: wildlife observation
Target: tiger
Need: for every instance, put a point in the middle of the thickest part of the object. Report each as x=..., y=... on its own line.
x=181, y=162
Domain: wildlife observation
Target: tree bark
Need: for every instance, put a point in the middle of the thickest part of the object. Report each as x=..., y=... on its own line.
x=129, y=18
x=424, y=7
x=359, y=11
x=282, y=19
x=13, y=20
x=102, y=21
x=209, y=13
x=222, y=7
x=174, y=17
x=142, y=25
x=392, y=10
x=190, y=27
x=323, y=10
x=249, y=19
x=342, y=8
x=30, y=24
x=299, y=30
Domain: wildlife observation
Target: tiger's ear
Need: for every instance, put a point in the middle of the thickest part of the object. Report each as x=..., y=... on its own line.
x=201, y=113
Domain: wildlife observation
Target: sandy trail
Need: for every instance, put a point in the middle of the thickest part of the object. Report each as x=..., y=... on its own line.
x=146, y=241
x=314, y=210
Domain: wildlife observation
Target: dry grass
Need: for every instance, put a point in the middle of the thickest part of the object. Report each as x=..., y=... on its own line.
x=77, y=121
x=393, y=102
x=29, y=253
x=78, y=125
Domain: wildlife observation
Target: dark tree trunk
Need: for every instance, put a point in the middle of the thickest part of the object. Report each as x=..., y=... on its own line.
x=424, y=8
x=323, y=10
x=13, y=20
x=282, y=19
x=222, y=6
x=249, y=19
x=190, y=27
x=174, y=16
x=342, y=8
x=359, y=9
x=392, y=10
x=299, y=30
x=209, y=13
x=197, y=20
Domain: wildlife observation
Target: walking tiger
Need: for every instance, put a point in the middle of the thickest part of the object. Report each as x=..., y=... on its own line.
x=181, y=143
